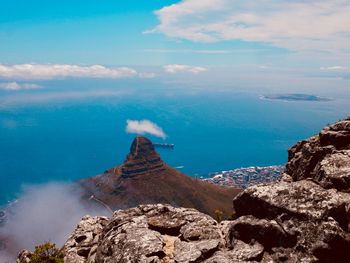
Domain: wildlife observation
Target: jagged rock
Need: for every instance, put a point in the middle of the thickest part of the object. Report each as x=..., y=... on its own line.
x=337, y=135
x=304, y=217
x=82, y=244
x=303, y=199
x=142, y=234
x=304, y=156
x=242, y=252
x=323, y=158
x=267, y=232
x=334, y=171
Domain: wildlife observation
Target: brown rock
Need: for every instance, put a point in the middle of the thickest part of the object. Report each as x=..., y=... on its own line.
x=145, y=179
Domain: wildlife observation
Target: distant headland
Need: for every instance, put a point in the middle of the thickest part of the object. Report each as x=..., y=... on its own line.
x=294, y=97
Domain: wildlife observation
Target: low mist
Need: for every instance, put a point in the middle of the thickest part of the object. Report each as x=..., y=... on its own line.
x=43, y=213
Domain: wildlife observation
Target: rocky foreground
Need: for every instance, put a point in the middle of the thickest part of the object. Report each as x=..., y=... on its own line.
x=302, y=218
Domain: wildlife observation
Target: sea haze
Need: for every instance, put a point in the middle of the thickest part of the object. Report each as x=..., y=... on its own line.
x=75, y=129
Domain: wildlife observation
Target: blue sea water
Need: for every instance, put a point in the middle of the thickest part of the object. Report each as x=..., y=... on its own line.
x=64, y=135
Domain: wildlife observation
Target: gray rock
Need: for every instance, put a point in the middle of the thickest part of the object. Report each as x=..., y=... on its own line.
x=303, y=199
x=157, y=233
x=334, y=171
x=337, y=135
x=323, y=158
x=82, y=244
x=268, y=233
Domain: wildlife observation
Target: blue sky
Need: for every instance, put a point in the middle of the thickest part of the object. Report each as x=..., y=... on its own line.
x=77, y=31
x=109, y=32
x=309, y=37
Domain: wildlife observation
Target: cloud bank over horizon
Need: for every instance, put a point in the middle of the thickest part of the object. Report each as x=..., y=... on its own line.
x=52, y=71
x=295, y=25
x=14, y=86
x=177, y=68
x=142, y=127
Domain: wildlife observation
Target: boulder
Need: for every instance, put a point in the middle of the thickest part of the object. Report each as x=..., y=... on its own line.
x=82, y=244
x=324, y=158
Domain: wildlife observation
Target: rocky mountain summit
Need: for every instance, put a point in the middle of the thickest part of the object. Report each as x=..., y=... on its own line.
x=305, y=217
x=144, y=178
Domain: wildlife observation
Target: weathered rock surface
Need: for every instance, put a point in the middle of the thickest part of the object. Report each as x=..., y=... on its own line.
x=323, y=158
x=148, y=233
x=82, y=244
x=305, y=217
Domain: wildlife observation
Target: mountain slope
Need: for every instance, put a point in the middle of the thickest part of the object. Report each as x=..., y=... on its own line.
x=145, y=179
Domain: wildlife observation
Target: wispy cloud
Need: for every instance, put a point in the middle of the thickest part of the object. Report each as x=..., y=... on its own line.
x=52, y=71
x=334, y=68
x=147, y=75
x=297, y=25
x=191, y=51
x=177, y=68
x=50, y=97
x=144, y=127
x=18, y=86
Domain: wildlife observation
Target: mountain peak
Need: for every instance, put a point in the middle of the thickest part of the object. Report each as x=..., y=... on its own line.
x=143, y=178
x=141, y=147
x=142, y=159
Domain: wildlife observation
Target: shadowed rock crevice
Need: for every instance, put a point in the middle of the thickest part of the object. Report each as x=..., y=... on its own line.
x=268, y=233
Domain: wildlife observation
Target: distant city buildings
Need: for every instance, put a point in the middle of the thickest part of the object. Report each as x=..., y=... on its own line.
x=245, y=177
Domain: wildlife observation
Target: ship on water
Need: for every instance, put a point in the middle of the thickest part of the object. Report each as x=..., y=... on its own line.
x=164, y=145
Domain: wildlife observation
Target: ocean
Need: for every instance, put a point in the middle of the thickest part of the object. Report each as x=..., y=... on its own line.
x=65, y=135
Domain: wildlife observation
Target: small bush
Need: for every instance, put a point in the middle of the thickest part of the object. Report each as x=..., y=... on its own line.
x=46, y=253
x=219, y=215
x=232, y=216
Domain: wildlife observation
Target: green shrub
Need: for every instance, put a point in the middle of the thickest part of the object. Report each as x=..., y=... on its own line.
x=219, y=215
x=46, y=253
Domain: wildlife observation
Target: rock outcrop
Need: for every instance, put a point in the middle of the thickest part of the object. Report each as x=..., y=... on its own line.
x=141, y=160
x=305, y=217
x=324, y=158
x=144, y=178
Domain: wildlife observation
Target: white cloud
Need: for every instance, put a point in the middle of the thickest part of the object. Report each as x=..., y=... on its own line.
x=147, y=75
x=192, y=51
x=52, y=71
x=144, y=127
x=297, y=25
x=18, y=86
x=177, y=68
x=53, y=97
x=334, y=68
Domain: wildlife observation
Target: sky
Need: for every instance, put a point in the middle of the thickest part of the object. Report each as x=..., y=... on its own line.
x=41, y=40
